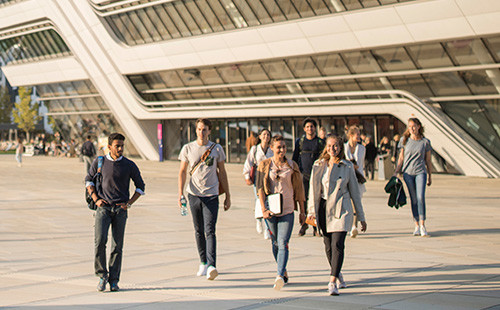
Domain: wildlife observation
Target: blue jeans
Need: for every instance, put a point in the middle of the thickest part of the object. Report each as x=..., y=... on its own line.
x=416, y=188
x=280, y=229
x=204, y=211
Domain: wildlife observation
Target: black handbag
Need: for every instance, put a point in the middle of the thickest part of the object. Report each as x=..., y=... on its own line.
x=97, y=184
x=361, y=178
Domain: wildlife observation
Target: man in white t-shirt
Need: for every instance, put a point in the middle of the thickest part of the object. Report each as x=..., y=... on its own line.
x=205, y=162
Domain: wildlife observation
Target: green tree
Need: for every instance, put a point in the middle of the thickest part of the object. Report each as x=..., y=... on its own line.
x=26, y=114
x=6, y=105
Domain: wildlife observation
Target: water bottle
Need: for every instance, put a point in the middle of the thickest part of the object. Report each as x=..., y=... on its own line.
x=184, y=209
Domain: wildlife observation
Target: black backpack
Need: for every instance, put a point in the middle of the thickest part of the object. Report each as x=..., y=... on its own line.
x=97, y=183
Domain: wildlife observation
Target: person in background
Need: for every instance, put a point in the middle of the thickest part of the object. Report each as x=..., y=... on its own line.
x=251, y=141
x=384, y=148
x=322, y=132
x=395, y=149
x=307, y=150
x=88, y=153
x=19, y=152
x=280, y=175
x=333, y=186
x=355, y=153
x=415, y=164
x=257, y=154
x=370, y=156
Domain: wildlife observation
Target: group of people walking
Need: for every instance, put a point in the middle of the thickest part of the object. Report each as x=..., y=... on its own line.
x=321, y=182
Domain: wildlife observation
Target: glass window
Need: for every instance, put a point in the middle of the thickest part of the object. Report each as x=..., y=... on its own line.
x=209, y=15
x=253, y=72
x=361, y=62
x=138, y=82
x=187, y=18
x=494, y=45
x=303, y=67
x=171, y=78
x=122, y=29
x=411, y=83
x=221, y=14
x=190, y=77
x=470, y=115
x=32, y=46
x=277, y=70
x=247, y=12
x=446, y=84
x=274, y=10
x=260, y=11
x=430, y=55
x=167, y=21
x=288, y=9
x=303, y=7
x=177, y=20
x=235, y=14
x=210, y=76
x=198, y=16
x=143, y=32
x=352, y=4
x=316, y=87
x=479, y=81
x=345, y=85
x=331, y=64
x=319, y=7
x=152, y=27
x=393, y=59
x=60, y=42
x=371, y=84
x=369, y=3
x=469, y=52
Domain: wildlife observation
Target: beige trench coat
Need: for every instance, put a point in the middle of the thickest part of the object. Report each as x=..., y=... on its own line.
x=342, y=189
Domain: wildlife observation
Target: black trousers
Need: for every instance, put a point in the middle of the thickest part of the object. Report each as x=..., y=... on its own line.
x=370, y=168
x=334, y=242
x=204, y=211
x=105, y=217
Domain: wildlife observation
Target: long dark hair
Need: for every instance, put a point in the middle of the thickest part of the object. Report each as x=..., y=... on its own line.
x=406, y=134
x=260, y=132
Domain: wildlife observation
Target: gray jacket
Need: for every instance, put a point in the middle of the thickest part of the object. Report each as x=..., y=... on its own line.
x=342, y=189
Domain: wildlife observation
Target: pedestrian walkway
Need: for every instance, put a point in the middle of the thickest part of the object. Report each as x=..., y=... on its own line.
x=46, y=249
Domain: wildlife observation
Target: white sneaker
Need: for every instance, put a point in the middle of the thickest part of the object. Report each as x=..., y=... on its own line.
x=423, y=232
x=354, y=232
x=278, y=283
x=266, y=234
x=332, y=289
x=416, y=232
x=259, y=227
x=340, y=281
x=212, y=273
x=202, y=271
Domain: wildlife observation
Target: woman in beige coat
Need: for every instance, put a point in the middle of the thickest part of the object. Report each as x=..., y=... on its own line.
x=333, y=186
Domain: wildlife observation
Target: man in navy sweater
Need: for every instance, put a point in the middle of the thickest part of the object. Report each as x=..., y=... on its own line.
x=112, y=200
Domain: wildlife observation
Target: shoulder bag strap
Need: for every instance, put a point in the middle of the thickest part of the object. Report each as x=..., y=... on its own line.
x=203, y=157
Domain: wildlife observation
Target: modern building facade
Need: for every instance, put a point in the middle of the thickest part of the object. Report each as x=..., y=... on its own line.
x=130, y=65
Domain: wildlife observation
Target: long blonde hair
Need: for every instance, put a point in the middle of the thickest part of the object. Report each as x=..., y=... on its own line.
x=406, y=134
x=325, y=156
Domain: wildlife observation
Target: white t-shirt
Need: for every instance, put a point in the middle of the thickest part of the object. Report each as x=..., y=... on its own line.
x=204, y=181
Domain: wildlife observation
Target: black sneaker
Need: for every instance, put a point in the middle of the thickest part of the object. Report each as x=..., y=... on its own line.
x=101, y=287
x=114, y=287
x=303, y=229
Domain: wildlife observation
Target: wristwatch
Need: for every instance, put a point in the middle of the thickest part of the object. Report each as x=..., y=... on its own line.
x=128, y=205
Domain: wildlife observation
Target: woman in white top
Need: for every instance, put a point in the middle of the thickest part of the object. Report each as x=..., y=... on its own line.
x=257, y=154
x=333, y=186
x=19, y=152
x=355, y=152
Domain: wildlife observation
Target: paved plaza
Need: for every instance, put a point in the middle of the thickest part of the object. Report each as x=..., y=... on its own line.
x=46, y=249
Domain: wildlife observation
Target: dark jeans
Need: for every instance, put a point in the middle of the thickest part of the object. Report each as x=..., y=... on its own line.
x=204, y=211
x=370, y=168
x=334, y=242
x=117, y=218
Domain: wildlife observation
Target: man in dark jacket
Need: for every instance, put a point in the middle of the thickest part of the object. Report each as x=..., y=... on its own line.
x=370, y=156
x=113, y=200
x=306, y=152
x=88, y=152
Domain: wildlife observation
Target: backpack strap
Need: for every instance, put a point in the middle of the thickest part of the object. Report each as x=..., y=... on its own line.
x=100, y=160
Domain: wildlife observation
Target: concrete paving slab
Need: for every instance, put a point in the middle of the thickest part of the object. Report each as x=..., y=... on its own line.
x=46, y=249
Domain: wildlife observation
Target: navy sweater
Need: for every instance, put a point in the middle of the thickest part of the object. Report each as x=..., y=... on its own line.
x=116, y=176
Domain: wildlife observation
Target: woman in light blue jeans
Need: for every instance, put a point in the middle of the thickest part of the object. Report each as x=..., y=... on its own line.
x=415, y=164
x=280, y=175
